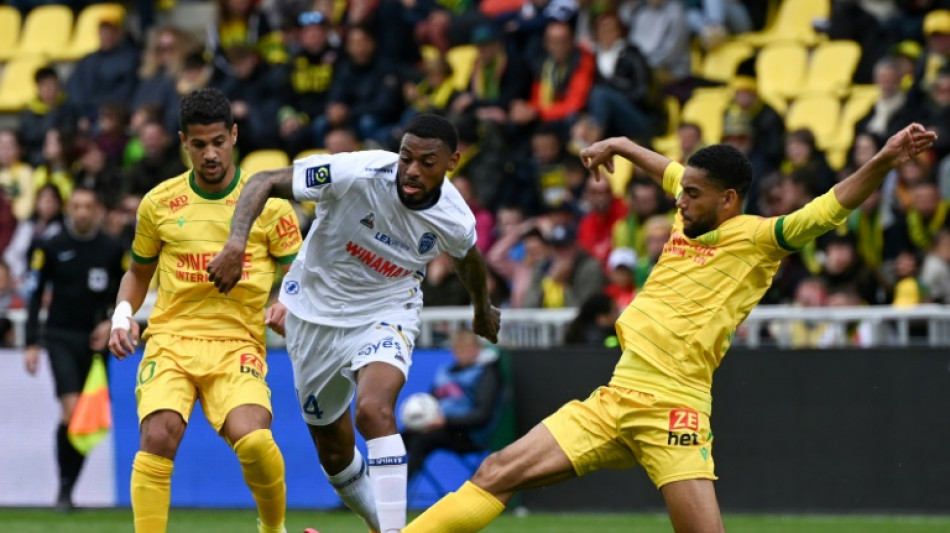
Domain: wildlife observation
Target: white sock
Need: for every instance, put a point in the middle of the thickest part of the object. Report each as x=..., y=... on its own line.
x=387, y=471
x=353, y=486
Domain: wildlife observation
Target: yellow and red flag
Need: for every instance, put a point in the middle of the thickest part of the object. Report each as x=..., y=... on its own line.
x=92, y=418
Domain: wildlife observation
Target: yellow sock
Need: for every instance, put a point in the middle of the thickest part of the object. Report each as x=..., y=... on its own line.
x=151, y=490
x=466, y=510
x=263, y=467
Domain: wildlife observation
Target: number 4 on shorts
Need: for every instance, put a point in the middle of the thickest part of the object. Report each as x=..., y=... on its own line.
x=311, y=407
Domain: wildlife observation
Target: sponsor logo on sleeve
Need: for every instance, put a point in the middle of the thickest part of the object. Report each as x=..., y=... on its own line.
x=426, y=243
x=317, y=176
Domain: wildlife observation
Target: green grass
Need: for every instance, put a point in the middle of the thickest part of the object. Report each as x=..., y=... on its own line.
x=242, y=521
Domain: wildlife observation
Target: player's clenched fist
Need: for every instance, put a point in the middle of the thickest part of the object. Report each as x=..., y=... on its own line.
x=226, y=267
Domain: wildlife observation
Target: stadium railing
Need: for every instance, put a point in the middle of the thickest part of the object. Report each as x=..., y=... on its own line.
x=923, y=325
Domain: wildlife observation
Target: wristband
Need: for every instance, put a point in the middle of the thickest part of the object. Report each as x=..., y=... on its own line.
x=122, y=316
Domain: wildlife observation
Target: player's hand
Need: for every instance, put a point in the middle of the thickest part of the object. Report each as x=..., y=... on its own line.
x=436, y=423
x=487, y=322
x=599, y=154
x=122, y=342
x=31, y=359
x=99, y=339
x=275, y=317
x=227, y=266
x=907, y=144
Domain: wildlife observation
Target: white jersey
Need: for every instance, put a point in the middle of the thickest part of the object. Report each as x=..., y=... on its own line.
x=366, y=253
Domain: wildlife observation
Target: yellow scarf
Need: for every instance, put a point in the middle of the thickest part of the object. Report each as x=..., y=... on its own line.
x=921, y=233
x=486, y=77
x=553, y=294
x=551, y=76
x=867, y=229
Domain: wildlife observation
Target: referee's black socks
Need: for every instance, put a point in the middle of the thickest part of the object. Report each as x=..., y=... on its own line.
x=70, y=463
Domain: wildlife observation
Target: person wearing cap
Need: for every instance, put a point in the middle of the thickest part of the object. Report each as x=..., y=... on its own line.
x=768, y=127
x=737, y=132
x=620, y=274
x=595, y=229
x=568, y=277
x=306, y=79
x=108, y=75
x=937, y=49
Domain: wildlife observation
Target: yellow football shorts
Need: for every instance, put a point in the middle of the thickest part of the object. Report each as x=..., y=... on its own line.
x=620, y=428
x=175, y=371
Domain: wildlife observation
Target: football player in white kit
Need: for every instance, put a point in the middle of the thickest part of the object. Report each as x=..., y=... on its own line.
x=353, y=295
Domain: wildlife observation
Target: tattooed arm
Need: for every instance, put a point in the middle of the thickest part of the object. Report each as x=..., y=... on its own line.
x=226, y=267
x=473, y=274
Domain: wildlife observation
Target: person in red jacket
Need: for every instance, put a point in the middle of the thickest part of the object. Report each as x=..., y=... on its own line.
x=595, y=231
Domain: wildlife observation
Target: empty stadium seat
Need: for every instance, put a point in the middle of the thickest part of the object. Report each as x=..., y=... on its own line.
x=86, y=33
x=623, y=171
x=17, y=83
x=707, y=113
x=793, y=23
x=259, y=160
x=10, y=21
x=832, y=67
x=720, y=63
x=46, y=30
x=780, y=72
x=854, y=109
x=462, y=59
x=820, y=114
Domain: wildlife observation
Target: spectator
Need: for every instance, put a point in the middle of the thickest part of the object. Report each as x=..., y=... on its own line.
x=909, y=291
x=94, y=171
x=498, y=78
x=737, y=132
x=112, y=135
x=526, y=28
x=657, y=230
x=517, y=249
x=47, y=221
x=690, y=137
x=620, y=267
x=470, y=391
x=47, y=110
x=935, y=271
x=249, y=84
x=9, y=299
x=162, y=62
x=768, y=127
x=8, y=222
x=935, y=56
x=866, y=226
x=595, y=230
x=843, y=267
x=482, y=158
x=713, y=21
x=441, y=286
x=433, y=93
x=56, y=167
x=544, y=176
x=623, y=100
x=161, y=158
x=365, y=93
x=594, y=324
x=242, y=23
x=16, y=176
x=927, y=214
x=644, y=199
x=107, y=75
x=888, y=113
x=339, y=140
x=659, y=30
x=307, y=79
x=568, y=277
x=561, y=81
x=484, y=219
x=195, y=74
x=805, y=163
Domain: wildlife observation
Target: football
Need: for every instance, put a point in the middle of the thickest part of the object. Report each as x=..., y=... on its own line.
x=419, y=410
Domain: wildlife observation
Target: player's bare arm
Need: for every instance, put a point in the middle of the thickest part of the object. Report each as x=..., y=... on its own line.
x=225, y=269
x=276, y=314
x=601, y=154
x=471, y=271
x=900, y=148
x=132, y=289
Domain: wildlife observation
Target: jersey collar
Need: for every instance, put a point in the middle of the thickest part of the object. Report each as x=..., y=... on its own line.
x=214, y=195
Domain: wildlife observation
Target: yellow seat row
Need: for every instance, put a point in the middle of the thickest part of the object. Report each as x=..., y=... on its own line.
x=52, y=32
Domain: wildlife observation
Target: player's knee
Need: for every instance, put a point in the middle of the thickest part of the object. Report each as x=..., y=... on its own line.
x=374, y=417
x=161, y=433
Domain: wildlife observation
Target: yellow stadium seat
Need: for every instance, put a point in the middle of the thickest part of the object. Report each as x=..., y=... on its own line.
x=820, y=114
x=854, y=109
x=9, y=31
x=707, y=114
x=46, y=30
x=780, y=71
x=793, y=22
x=86, y=34
x=623, y=171
x=17, y=85
x=462, y=59
x=831, y=68
x=259, y=160
x=721, y=62
x=308, y=153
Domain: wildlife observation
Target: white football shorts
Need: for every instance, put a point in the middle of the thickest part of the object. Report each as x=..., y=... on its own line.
x=326, y=358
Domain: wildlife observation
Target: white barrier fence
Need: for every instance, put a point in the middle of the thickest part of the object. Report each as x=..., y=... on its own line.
x=927, y=325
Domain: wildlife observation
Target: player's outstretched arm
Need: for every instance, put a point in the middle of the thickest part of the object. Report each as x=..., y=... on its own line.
x=226, y=267
x=473, y=274
x=900, y=148
x=601, y=154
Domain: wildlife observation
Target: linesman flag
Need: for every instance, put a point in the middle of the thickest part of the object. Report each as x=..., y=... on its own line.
x=92, y=418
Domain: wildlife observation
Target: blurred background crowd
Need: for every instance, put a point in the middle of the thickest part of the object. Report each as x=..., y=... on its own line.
x=808, y=89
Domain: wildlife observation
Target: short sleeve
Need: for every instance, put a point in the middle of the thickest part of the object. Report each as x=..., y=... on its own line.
x=460, y=247
x=147, y=243
x=327, y=177
x=282, y=230
x=672, y=177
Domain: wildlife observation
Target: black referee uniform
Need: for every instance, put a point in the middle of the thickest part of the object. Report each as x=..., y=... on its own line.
x=83, y=274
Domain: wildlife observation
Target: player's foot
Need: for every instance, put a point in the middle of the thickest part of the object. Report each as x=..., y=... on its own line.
x=64, y=504
x=262, y=529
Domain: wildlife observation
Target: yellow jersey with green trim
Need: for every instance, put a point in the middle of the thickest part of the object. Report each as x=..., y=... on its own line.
x=678, y=328
x=183, y=227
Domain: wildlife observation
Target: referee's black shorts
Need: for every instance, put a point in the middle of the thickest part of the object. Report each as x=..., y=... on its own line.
x=70, y=358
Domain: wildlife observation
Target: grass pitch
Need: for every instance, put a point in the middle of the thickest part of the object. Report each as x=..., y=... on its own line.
x=242, y=521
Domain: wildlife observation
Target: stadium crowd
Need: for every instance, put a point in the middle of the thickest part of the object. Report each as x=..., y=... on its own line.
x=547, y=78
